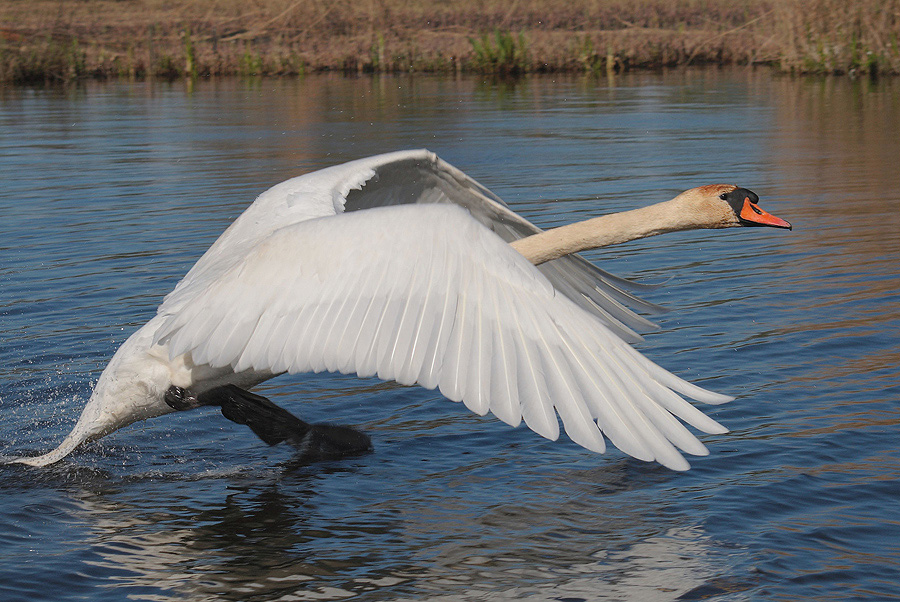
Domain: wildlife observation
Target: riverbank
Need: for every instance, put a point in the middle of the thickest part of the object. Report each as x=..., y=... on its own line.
x=43, y=40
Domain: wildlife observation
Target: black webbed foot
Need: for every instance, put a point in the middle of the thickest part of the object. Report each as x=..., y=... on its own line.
x=274, y=424
x=326, y=441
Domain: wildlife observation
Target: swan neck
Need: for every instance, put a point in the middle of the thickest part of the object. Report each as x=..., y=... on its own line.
x=606, y=230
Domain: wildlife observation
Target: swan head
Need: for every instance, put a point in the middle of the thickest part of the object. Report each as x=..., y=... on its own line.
x=728, y=206
x=131, y=388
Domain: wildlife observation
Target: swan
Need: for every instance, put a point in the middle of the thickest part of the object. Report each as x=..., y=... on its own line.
x=402, y=267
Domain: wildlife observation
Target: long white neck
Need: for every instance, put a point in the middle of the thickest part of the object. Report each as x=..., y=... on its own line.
x=669, y=216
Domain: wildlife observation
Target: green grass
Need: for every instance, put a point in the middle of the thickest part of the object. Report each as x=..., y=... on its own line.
x=501, y=53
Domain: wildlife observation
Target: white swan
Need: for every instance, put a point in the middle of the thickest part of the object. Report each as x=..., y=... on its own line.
x=398, y=266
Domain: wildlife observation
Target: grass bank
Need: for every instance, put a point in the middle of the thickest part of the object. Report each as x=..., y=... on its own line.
x=61, y=40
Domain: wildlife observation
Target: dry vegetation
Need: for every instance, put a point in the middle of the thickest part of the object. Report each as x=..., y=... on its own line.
x=43, y=40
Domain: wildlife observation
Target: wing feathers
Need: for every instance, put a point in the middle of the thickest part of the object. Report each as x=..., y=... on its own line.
x=425, y=294
x=537, y=409
x=475, y=349
x=570, y=405
x=503, y=391
x=446, y=306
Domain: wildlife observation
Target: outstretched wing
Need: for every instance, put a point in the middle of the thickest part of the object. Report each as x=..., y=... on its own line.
x=415, y=177
x=428, y=295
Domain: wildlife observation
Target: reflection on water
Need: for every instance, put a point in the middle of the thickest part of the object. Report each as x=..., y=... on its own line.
x=269, y=536
x=112, y=191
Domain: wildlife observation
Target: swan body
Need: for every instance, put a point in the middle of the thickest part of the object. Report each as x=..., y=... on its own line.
x=399, y=266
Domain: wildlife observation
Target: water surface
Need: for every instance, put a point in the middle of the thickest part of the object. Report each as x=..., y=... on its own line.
x=111, y=191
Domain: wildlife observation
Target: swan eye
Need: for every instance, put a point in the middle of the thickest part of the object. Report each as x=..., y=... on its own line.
x=724, y=196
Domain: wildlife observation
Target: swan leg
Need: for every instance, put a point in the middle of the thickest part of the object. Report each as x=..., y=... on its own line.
x=273, y=424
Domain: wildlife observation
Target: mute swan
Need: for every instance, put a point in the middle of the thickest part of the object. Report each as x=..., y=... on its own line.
x=398, y=266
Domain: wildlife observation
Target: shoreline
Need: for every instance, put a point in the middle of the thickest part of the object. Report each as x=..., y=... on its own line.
x=52, y=41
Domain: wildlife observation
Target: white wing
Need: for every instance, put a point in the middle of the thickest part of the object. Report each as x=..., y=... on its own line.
x=415, y=177
x=426, y=294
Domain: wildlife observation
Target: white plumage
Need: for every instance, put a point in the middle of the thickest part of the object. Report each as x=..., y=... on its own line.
x=399, y=266
x=347, y=294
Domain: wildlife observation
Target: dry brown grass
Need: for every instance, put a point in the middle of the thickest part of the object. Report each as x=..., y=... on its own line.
x=839, y=36
x=66, y=39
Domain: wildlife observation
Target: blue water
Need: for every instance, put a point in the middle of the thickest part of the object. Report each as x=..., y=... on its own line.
x=111, y=191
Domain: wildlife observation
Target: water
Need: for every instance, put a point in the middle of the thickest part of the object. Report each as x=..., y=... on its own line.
x=111, y=191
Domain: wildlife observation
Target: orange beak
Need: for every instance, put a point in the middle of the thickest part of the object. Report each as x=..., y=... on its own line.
x=752, y=215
